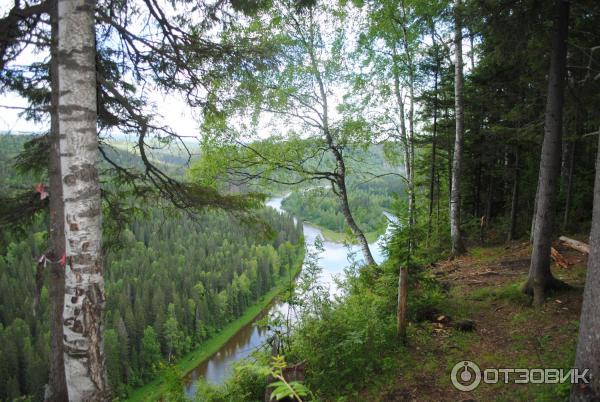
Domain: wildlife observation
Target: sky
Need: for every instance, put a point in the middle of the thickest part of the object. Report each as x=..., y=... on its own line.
x=9, y=118
x=174, y=110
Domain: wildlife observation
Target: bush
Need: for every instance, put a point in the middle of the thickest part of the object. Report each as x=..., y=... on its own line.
x=344, y=348
x=247, y=384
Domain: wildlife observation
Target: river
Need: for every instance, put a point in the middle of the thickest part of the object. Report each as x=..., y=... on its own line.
x=333, y=260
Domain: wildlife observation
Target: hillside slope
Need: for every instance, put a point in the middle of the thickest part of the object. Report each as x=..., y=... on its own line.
x=484, y=287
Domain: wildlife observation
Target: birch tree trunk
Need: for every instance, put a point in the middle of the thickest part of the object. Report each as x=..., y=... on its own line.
x=540, y=277
x=340, y=174
x=406, y=142
x=588, y=344
x=458, y=247
x=356, y=230
x=57, y=385
x=433, y=145
x=412, y=215
x=84, y=282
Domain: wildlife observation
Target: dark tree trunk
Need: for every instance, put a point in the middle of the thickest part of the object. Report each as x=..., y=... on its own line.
x=564, y=159
x=489, y=202
x=406, y=137
x=514, y=204
x=569, y=183
x=472, y=50
x=588, y=344
x=402, y=304
x=57, y=385
x=487, y=217
x=540, y=277
x=533, y=215
x=450, y=156
x=477, y=206
x=437, y=203
x=458, y=247
x=411, y=135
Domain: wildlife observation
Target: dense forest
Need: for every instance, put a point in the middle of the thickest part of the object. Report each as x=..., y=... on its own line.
x=368, y=201
x=171, y=284
x=475, y=122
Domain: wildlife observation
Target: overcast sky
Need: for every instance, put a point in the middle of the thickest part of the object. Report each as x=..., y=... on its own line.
x=175, y=111
x=172, y=107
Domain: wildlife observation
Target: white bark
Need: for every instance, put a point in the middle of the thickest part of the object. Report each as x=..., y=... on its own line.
x=457, y=243
x=576, y=245
x=411, y=125
x=84, y=284
x=340, y=180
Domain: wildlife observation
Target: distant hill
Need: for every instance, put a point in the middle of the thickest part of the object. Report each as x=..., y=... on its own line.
x=173, y=159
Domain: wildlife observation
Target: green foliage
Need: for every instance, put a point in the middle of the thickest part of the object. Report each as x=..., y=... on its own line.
x=177, y=281
x=173, y=283
x=368, y=201
x=174, y=391
x=282, y=388
x=163, y=298
x=183, y=280
x=347, y=344
x=149, y=353
x=246, y=384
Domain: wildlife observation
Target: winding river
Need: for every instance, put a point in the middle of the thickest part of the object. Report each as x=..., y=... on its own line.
x=333, y=260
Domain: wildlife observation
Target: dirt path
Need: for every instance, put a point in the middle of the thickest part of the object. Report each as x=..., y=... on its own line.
x=484, y=288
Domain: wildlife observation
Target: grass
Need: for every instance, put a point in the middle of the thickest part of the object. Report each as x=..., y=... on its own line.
x=511, y=292
x=509, y=333
x=487, y=254
x=532, y=338
x=154, y=389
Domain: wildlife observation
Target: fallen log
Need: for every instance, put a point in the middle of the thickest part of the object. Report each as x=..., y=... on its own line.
x=558, y=258
x=576, y=245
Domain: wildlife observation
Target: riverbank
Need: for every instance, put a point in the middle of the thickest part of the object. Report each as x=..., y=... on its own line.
x=332, y=235
x=342, y=237
x=154, y=389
